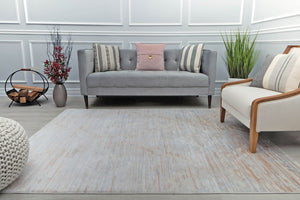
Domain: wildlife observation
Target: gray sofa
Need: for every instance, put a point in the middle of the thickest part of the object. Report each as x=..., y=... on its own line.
x=129, y=82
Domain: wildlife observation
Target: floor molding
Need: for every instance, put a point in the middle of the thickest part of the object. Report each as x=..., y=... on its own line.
x=76, y=91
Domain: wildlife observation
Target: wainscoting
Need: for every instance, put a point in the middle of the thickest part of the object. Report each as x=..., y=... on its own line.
x=25, y=24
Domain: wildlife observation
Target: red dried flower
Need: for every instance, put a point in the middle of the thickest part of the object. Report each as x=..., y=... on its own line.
x=57, y=70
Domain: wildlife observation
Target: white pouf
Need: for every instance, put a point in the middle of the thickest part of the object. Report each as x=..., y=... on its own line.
x=14, y=149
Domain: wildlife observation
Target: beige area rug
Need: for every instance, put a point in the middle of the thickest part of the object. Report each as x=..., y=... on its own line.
x=152, y=151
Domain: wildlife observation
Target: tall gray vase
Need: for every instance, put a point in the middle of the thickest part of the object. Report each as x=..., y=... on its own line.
x=60, y=95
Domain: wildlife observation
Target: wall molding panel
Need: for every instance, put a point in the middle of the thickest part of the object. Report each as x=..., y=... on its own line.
x=279, y=29
x=36, y=66
x=280, y=41
x=119, y=22
x=177, y=44
x=23, y=61
x=75, y=42
x=274, y=17
x=16, y=10
x=205, y=42
x=176, y=23
x=220, y=23
x=31, y=56
x=25, y=25
x=112, y=33
x=109, y=42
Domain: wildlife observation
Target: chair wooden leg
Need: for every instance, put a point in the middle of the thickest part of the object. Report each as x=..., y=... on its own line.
x=253, y=138
x=222, y=114
x=86, y=101
x=209, y=101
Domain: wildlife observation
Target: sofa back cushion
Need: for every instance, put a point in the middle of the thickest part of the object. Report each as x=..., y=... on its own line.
x=171, y=57
x=128, y=59
x=295, y=50
x=258, y=78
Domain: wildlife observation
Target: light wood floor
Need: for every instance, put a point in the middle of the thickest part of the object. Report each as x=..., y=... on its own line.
x=34, y=117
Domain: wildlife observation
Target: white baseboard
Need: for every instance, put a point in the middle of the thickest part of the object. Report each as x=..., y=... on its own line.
x=76, y=91
x=70, y=92
x=217, y=91
x=218, y=85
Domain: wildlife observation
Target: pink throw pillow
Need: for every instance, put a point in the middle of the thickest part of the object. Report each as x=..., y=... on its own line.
x=150, y=57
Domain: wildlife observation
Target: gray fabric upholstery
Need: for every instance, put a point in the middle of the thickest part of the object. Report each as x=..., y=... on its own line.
x=259, y=76
x=209, y=67
x=128, y=59
x=172, y=57
x=170, y=82
x=147, y=79
x=86, y=66
x=188, y=91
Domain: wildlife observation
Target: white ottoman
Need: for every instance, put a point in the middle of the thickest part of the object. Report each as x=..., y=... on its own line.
x=14, y=149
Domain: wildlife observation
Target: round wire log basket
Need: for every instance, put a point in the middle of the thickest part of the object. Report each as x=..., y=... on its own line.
x=17, y=96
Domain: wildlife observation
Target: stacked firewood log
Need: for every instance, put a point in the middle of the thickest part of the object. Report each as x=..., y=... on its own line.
x=25, y=93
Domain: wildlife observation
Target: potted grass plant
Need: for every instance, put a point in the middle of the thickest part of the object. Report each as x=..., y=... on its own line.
x=240, y=55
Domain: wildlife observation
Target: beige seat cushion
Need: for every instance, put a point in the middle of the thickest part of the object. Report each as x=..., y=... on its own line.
x=240, y=97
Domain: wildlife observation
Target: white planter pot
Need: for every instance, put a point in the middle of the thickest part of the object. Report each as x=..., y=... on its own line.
x=235, y=79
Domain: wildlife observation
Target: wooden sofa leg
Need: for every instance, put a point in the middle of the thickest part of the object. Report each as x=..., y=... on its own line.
x=222, y=114
x=209, y=101
x=86, y=101
x=253, y=138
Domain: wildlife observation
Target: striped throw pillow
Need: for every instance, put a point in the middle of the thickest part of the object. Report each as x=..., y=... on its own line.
x=107, y=58
x=190, y=59
x=283, y=74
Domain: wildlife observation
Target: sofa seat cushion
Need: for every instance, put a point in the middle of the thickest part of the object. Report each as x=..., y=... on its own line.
x=147, y=79
x=240, y=97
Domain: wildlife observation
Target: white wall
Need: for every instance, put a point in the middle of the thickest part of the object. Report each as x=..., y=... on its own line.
x=24, y=27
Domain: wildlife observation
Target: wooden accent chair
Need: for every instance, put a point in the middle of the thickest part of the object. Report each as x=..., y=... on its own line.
x=261, y=109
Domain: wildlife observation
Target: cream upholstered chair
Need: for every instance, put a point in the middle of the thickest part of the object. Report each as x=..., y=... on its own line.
x=261, y=109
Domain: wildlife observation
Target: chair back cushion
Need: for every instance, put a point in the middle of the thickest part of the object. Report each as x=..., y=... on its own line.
x=295, y=50
x=107, y=58
x=259, y=76
x=128, y=59
x=283, y=74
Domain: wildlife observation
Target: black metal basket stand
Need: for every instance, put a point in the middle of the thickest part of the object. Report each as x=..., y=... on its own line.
x=9, y=80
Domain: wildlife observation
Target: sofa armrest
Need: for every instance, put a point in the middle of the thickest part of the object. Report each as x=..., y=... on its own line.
x=209, y=66
x=86, y=66
x=277, y=113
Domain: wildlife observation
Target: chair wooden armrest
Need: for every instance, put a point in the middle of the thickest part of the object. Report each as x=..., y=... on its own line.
x=236, y=82
x=289, y=47
x=256, y=102
x=254, y=109
x=222, y=110
x=275, y=97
